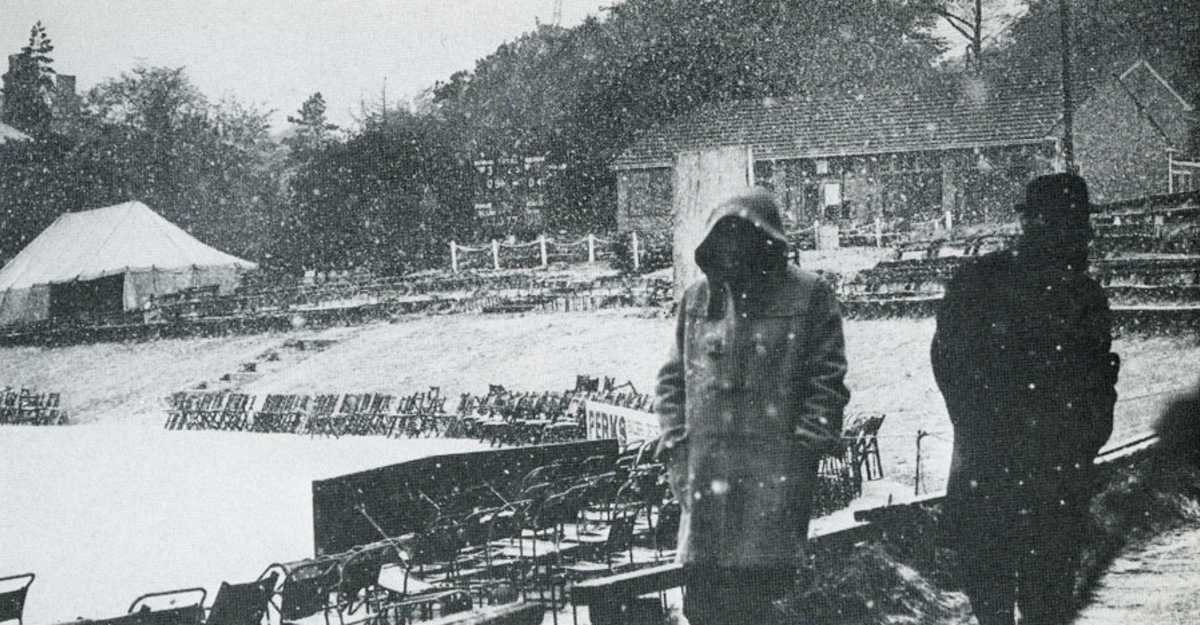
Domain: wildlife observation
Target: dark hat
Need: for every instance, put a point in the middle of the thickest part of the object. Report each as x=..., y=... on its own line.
x=1057, y=198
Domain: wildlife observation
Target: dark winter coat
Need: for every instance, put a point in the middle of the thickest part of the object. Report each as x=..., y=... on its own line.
x=756, y=361
x=1021, y=355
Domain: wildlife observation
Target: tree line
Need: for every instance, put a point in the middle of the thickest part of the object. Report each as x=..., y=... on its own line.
x=389, y=193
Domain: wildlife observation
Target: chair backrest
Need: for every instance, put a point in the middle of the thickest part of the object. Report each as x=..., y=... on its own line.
x=12, y=600
x=557, y=509
x=381, y=404
x=184, y=606
x=477, y=526
x=306, y=587
x=872, y=425
x=242, y=604
x=596, y=465
x=271, y=404
x=620, y=533
x=440, y=542
x=325, y=405
x=669, y=516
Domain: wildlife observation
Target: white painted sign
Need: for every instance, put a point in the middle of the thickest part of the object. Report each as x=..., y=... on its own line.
x=623, y=424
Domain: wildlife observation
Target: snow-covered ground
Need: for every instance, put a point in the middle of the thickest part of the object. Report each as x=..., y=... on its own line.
x=103, y=513
x=108, y=510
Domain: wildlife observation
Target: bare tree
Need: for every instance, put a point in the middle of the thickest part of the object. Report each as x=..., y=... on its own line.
x=976, y=21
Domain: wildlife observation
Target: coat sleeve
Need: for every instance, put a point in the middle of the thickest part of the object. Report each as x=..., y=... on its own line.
x=945, y=354
x=671, y=393
x=1101, y=369
x=824, y=387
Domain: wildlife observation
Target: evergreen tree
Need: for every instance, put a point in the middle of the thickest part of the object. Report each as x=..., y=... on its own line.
x=312, y=129
x=29, y=83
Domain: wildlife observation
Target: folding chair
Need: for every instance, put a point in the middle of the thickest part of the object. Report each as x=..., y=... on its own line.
x=320, y=421
x=268, y=415
x=405, y=594
x=381, y=421
x=177, y=407
x=27, y=403
x=8, y=409
x=53, y=413
x=355, y=417
x=242, y=604
x=867, y=447
x=212, y=415
x=13, y=590
x=304, y=589
x=608, y=554
x=295, y=411
x=236, y=412
x=147, y=610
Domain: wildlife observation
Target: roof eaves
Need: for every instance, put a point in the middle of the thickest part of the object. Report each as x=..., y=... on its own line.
x=1187, y=106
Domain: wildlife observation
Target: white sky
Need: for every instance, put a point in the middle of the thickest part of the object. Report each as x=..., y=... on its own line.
x=274, y=53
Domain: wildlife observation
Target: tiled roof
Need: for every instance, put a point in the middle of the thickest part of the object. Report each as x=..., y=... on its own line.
x=949, y=113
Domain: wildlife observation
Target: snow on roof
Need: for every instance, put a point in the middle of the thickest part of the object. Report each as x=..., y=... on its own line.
x=8, y=133
x=1020, y=107
x=106, y=241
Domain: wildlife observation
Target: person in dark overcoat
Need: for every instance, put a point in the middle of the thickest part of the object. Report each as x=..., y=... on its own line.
x=751, y=396
x=1022, y=357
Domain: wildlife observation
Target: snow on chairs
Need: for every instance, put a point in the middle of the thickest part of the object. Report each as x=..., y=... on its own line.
x=26, y=406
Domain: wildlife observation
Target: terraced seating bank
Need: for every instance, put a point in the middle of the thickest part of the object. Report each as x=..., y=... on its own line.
x=279, y=304
x=1145, y=254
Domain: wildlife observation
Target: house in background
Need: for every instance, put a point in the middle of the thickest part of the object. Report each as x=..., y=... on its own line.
x=65, y=102
x=959, y=149
x=1123, y=159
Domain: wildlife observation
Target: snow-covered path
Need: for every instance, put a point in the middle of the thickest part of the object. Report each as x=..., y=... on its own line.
x=1158, y=582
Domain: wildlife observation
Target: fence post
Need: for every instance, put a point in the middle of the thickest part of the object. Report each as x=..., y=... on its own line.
x=817, y=234
x=917, y=482
x=591, y=249
x=495, y=255
x=636, y=251
x=1170, y=170
x=949, y=220
x=454, y=257
x=878, y=231
x=542, y=243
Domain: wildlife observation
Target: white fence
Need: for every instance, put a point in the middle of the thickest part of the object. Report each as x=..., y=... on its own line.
x=592, y=243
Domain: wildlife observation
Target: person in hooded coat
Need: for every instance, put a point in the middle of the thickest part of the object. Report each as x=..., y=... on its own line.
x=1021, y=355
x=749, y=400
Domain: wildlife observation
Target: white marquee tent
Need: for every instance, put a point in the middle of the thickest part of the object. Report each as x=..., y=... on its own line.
x=128, y=248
